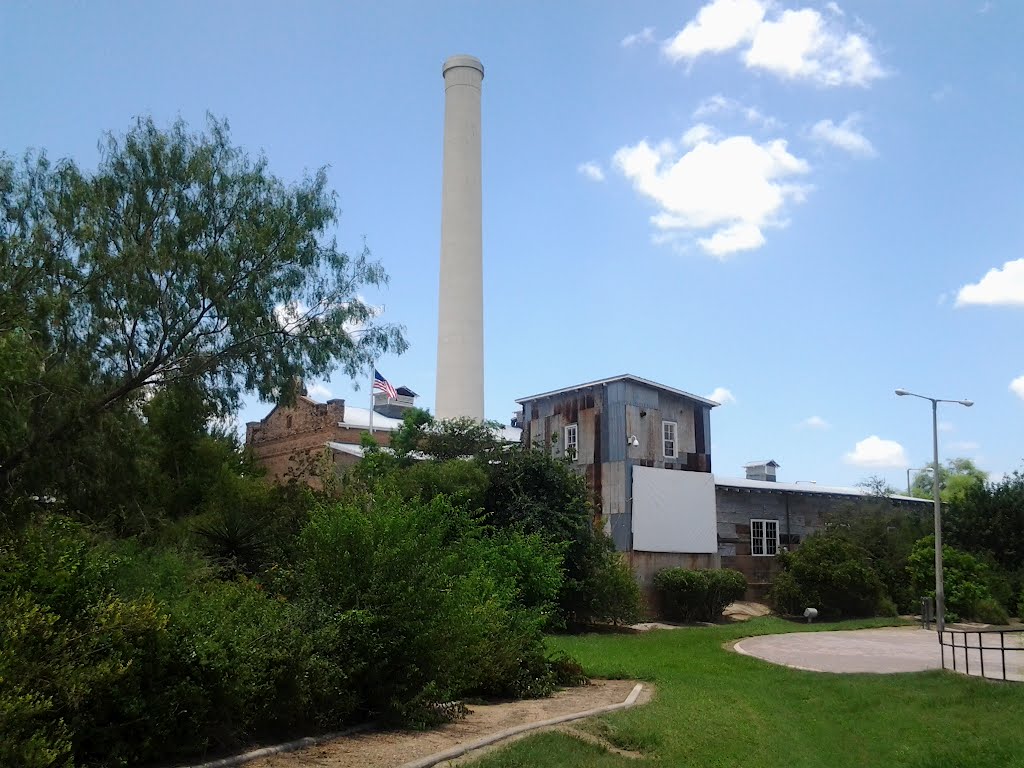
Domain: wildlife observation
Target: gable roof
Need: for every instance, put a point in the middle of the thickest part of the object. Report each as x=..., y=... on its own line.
x=623, y=377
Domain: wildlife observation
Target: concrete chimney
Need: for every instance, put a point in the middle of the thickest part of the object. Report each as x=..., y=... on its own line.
x=460, y=324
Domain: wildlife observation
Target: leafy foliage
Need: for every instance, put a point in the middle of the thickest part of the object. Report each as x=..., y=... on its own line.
x=532, y=491
x=698, y=595
x=958, y=477
x=829, y=572
x=180, y=259
x=990, y=518
x=887, y=539
x=966, y=580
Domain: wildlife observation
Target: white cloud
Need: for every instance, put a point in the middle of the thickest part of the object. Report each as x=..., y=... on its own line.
x=728, y=190
x=875, y=452
x=801, y=46
x=643, y=37
x=591, y=170
x=1003, y=287
x=700, y=132
x=719, y=104
x=794, y=44
x=319, y=392
x=1017, y=387
x=834, y=7
x=719, y=26
x=845, y=136
x=815, y=422
x=722, y=396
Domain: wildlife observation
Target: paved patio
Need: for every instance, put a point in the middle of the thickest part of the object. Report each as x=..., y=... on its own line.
x=880, y=651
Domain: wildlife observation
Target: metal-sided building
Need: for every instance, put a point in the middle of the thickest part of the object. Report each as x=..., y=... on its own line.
x=644, y=449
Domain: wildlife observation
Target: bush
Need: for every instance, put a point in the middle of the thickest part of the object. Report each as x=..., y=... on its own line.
x=700, y=595
x=532, y=491
x=439, y=607
x=831, y=573
x=116, y=654
x=966, y=579
x=887, y=608
x=1020, y=606
x=989, y=611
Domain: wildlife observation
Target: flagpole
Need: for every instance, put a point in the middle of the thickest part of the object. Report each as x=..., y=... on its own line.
x=373, y=371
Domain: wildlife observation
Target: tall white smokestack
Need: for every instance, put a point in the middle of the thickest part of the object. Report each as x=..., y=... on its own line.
x=460, y=325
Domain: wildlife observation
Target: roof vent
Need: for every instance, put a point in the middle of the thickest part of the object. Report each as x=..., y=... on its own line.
x=762, y=470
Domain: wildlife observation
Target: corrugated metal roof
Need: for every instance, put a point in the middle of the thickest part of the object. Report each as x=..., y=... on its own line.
x=623, y=377
x=743, y=484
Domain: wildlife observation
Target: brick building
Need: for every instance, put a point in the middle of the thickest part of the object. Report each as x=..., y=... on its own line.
x=290, y=441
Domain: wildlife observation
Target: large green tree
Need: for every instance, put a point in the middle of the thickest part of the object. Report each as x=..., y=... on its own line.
x=956, y=477
x=989, y=520
x=180, y=258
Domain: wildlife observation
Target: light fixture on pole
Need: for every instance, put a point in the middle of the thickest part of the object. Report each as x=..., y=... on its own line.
x=940, y=597
x=915, y=469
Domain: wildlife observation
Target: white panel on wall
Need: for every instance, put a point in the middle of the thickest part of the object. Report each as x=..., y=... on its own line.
x=673, y=511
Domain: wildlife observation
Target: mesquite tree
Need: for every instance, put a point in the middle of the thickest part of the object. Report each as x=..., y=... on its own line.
x=180, y=258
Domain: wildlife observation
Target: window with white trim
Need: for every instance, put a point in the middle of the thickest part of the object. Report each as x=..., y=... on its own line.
x=764, y=537
x=668, y=439
x=571, y=440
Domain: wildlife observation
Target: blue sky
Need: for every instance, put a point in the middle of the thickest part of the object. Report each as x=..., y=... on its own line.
x=793, y=206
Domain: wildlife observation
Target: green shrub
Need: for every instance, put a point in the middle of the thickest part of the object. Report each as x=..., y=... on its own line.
x=965, y=578
x=700, y=595
x=440, y=606
x=530, y=490
x=989, y=611
x=831, y=573
x=1020, y=606
x=786, y=595
x=888, y=608
x=608, y=592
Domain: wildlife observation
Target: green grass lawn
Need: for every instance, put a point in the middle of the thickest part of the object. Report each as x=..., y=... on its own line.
x=713, y=707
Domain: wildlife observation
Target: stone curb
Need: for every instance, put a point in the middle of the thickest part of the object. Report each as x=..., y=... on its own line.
x=450, y=754
x=289, y=746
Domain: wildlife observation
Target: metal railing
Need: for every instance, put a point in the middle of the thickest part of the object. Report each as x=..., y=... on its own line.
x=996, y=654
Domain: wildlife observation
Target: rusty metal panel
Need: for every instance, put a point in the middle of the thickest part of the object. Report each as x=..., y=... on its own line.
x=622, y=531
x=613, y=488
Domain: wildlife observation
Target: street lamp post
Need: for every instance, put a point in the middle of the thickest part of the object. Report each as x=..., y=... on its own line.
x=940, y=596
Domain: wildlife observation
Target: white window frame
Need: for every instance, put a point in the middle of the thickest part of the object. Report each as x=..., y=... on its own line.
x=574, y=444
x=674, y=440
x=763, y=543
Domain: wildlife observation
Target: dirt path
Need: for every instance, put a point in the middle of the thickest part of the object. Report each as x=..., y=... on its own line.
x=386, y=749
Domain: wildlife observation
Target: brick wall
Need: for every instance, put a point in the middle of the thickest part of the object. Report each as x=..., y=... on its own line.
x=290, y=441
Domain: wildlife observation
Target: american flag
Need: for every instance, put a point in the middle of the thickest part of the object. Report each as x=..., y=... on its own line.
x=379, y=382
